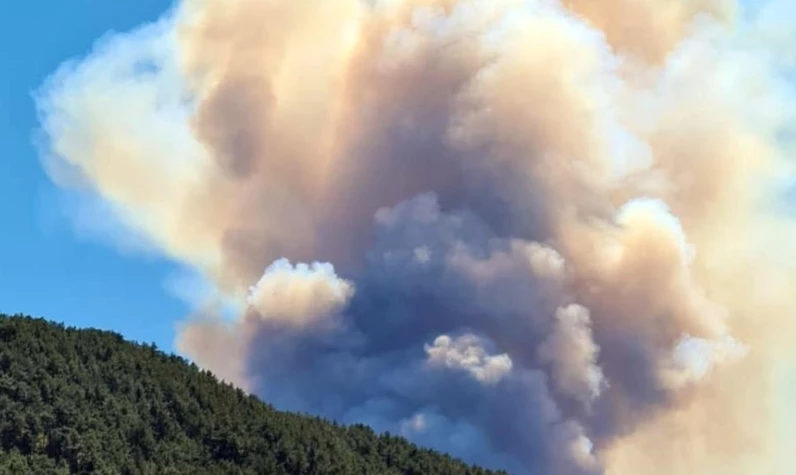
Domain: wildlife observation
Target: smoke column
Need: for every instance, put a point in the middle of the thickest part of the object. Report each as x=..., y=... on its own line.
x=547, y=236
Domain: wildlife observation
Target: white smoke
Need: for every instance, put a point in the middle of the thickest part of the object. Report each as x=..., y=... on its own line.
x=466, y=353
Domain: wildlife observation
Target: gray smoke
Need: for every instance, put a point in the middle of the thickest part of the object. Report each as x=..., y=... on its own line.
x=538, y=235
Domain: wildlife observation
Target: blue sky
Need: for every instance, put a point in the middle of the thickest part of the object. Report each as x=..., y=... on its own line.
x=46, y=269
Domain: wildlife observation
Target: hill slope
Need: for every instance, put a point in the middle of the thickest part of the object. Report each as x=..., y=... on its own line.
x=87, y=401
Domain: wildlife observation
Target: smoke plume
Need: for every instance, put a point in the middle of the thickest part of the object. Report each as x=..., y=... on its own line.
x=547, y=236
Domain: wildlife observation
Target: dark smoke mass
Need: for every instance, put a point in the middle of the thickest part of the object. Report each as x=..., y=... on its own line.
x=546, y=236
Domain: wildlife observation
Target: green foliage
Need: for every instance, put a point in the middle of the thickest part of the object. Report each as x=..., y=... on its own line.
x=87, y=401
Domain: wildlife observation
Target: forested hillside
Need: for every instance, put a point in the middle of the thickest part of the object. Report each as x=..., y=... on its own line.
x=87, y=401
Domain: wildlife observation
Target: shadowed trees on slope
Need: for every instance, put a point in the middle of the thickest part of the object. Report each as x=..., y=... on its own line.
x=87, y=401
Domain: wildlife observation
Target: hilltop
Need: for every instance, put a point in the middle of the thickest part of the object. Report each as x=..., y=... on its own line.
x=88, y=401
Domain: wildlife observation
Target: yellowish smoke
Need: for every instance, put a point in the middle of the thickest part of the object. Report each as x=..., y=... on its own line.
x=628, y=158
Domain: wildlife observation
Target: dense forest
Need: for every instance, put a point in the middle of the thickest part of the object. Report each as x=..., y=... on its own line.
x=87, y=401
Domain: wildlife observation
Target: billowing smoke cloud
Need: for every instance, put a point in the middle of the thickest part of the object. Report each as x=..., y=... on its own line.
x=546, y=236
x=573, y=353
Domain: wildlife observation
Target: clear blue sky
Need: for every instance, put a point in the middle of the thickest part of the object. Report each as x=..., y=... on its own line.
x=46, y=269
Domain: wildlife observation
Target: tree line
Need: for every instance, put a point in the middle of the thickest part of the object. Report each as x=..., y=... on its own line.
x=84, y=401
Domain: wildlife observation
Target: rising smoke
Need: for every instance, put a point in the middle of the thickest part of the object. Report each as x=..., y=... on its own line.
x=543, y=236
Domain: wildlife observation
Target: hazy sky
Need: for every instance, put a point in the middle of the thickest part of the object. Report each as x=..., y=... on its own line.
x=46, y=268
